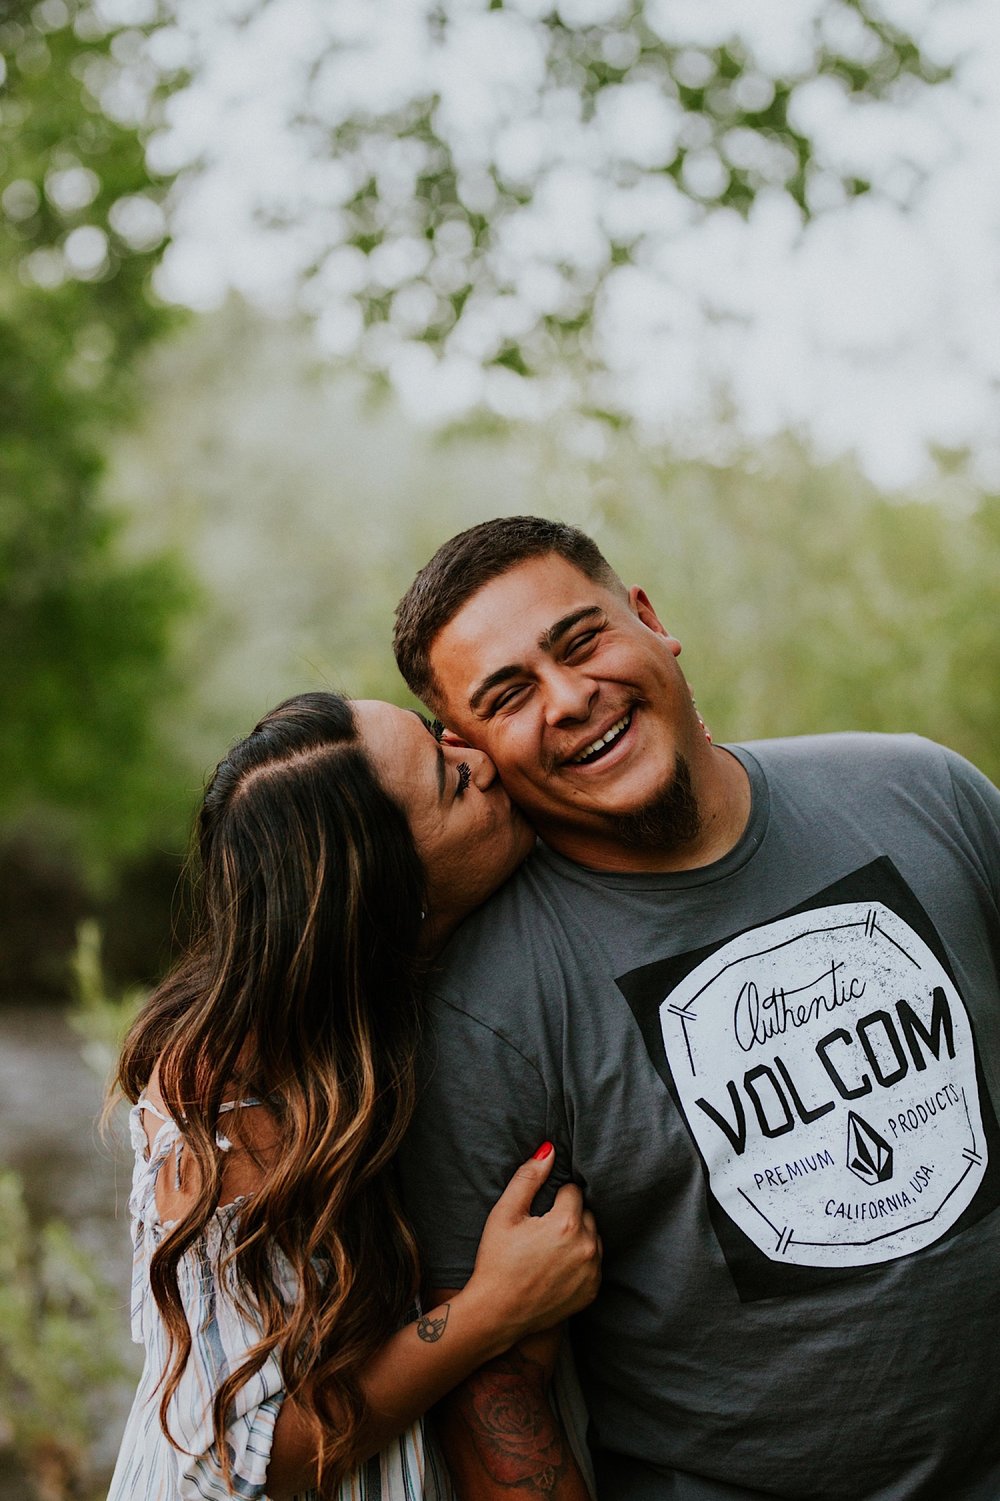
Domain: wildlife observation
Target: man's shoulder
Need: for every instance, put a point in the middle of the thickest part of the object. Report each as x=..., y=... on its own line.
x=838, y=744
x=513, y=936
x=848, y=752
x=854, y=773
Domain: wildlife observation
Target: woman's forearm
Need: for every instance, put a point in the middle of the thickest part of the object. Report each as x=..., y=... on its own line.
x=412, y=1371
x=531, y=1273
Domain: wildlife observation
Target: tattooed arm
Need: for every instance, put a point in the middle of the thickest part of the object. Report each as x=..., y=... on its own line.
x=531, y=1272
x=412, y=1371
x=500, y=1435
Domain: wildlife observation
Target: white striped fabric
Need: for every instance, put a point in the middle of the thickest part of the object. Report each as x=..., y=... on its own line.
x=149, y=1467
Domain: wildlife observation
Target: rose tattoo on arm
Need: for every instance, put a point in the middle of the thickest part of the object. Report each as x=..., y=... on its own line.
x=517, y=1440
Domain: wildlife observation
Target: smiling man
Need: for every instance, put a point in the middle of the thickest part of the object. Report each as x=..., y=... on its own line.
x=751, y=993
x=575, y=693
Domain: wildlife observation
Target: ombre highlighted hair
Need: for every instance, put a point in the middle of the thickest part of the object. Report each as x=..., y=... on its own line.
x=301, y=989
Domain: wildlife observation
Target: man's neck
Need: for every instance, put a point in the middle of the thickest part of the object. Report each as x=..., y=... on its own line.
x=724, y=801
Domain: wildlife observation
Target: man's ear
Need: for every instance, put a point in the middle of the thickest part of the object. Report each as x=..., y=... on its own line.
x=640, y=604
x=449, y=737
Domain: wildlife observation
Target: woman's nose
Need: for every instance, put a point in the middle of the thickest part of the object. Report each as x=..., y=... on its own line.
x=484, y=773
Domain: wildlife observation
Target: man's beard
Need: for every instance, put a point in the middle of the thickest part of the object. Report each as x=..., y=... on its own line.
x=668, y=821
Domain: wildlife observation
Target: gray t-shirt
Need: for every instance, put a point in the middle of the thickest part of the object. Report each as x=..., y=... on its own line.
x=773, y=1078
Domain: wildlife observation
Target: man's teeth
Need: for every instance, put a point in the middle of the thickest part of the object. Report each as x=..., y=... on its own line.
x=612, y=734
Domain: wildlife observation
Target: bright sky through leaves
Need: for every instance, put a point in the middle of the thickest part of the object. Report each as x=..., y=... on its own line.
x=874, y=326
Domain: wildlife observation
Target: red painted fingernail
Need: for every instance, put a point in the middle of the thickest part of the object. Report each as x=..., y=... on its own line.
x=543, y=1152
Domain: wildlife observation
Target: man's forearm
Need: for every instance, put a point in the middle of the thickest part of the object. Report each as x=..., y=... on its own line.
x=500, y=1435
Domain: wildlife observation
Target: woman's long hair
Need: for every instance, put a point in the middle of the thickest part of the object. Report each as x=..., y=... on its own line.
x=300, y=988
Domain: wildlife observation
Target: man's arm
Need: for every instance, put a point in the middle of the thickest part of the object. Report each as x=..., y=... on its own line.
x=499, y=1433
x=482, y=1097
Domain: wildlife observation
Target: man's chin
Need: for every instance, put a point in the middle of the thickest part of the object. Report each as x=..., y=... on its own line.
x=668, y=821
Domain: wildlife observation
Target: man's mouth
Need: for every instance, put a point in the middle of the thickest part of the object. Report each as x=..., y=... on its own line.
x=600, y=747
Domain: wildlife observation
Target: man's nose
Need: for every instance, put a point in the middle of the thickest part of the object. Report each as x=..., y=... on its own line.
x=569, y=695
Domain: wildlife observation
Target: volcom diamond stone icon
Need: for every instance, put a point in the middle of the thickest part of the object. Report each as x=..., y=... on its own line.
x=869, y=1157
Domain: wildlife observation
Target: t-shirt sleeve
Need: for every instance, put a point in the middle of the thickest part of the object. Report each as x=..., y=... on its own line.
x=979, y=810
x=483, y=1110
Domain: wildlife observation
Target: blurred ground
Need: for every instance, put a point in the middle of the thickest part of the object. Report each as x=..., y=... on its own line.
x=49, y=1104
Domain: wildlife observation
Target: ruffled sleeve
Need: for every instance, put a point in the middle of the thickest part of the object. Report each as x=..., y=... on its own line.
x=222, y=1331
x=151, y=1469
x=221, y=1335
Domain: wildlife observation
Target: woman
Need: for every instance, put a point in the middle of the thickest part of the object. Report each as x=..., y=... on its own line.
x=272, y=1079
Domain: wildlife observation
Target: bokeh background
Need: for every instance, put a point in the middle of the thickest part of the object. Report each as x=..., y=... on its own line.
x=291, y=290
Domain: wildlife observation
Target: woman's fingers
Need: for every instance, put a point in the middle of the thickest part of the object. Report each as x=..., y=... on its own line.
x=534, y=1270
x=516, y=1200
x=577, y=1230
x=569, y=1202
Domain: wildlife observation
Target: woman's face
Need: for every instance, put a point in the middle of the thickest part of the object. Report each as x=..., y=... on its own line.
x=468, y=833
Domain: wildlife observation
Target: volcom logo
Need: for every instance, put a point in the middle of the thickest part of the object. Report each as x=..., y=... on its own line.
x=869, y=1155
x=774, y=1039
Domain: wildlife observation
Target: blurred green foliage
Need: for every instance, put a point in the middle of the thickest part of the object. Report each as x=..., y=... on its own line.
x=63, y=1365
x=99, y=1016
x=806, y=598
x=59, y=1331
x=85, y=627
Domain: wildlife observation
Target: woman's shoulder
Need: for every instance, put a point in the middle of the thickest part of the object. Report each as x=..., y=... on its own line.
x=247, y=1138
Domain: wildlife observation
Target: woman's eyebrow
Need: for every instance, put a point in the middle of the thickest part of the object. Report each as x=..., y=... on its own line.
x=441, y=768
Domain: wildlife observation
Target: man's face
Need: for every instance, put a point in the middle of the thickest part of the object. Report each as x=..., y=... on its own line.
x=575, y=693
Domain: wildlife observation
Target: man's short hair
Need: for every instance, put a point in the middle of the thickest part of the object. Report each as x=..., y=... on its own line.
x=460, y=568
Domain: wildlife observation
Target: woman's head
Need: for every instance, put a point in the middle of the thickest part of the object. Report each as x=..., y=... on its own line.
x=310, y=878
x=336, y=841
x=333, y=825
x=323, y=837
x=468, y=833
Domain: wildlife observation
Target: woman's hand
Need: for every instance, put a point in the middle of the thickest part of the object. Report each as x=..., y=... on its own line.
x=533, y=1271
x=530, y=1273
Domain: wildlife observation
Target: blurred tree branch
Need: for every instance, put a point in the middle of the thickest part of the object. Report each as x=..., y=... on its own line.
x=489, y=171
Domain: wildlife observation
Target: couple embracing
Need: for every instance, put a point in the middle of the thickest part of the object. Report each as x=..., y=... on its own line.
x=740, y=1004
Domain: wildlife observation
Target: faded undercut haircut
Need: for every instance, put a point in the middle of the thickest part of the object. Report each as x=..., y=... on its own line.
x=460, y=568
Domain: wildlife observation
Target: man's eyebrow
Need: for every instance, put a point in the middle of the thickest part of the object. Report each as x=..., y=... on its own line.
x=547, y=641
x=550, y=638
x=441, y=768
x=492, y=680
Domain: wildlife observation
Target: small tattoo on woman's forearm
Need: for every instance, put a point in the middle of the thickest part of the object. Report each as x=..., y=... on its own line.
x=431, y=1329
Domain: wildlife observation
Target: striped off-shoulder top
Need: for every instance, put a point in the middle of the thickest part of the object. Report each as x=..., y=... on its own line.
x=150, y=1467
